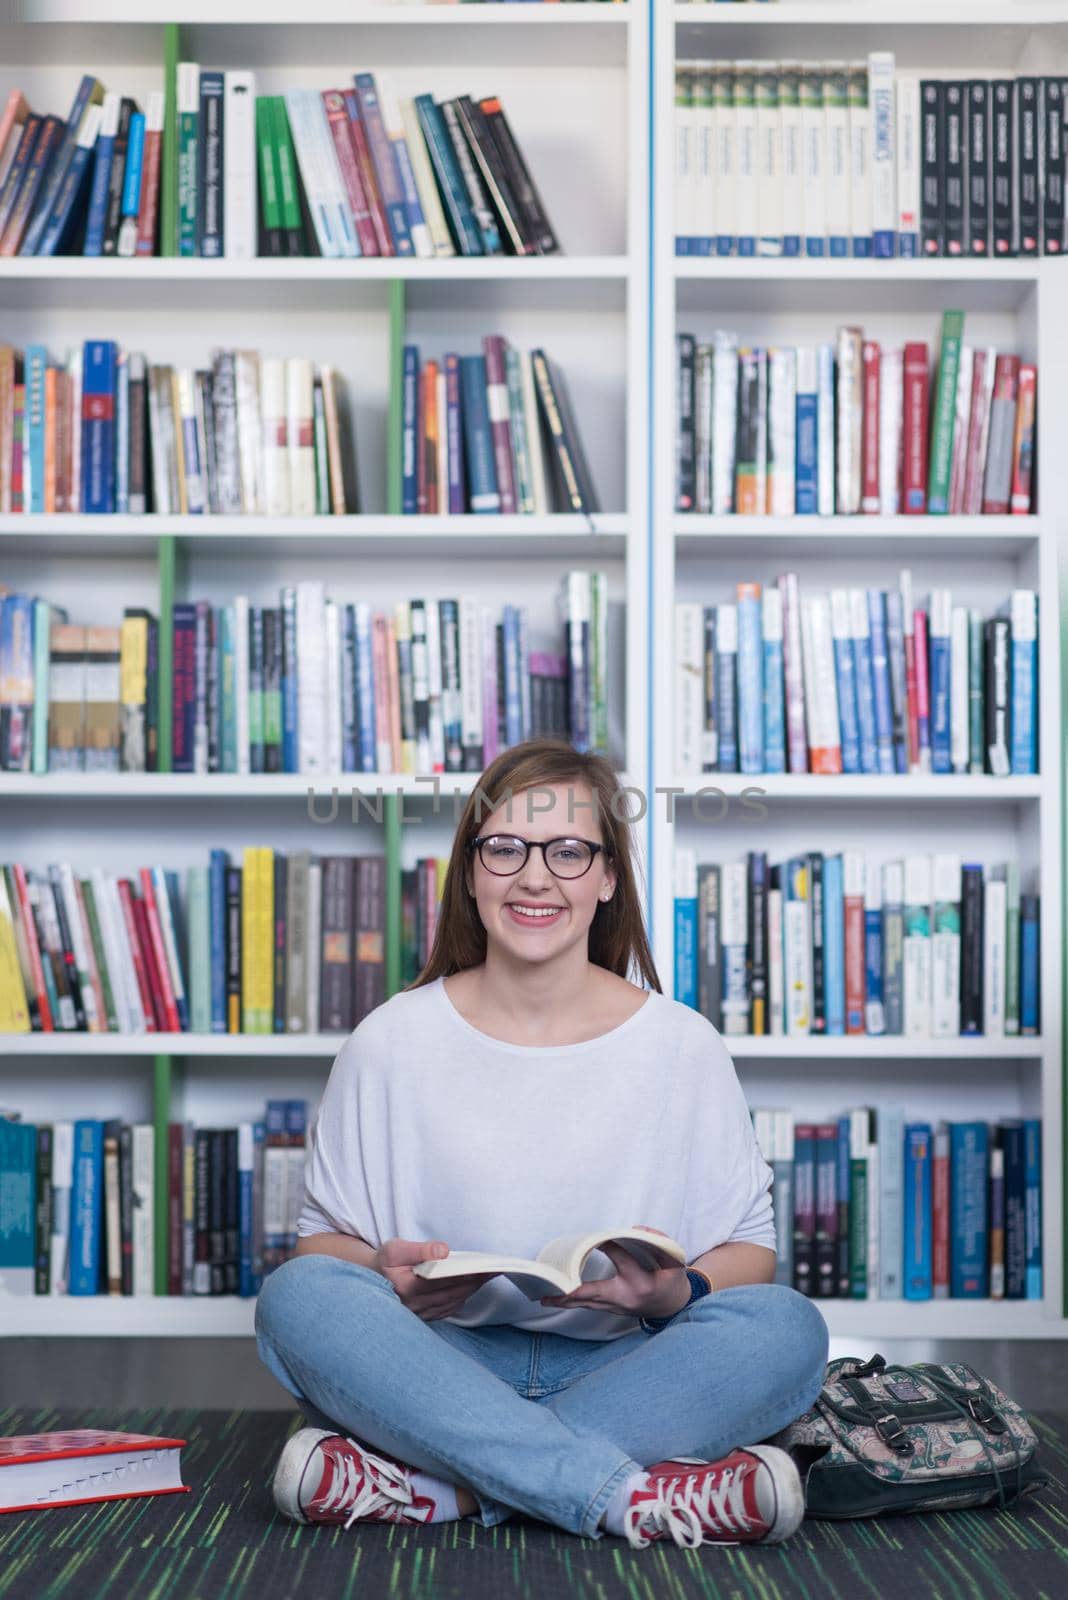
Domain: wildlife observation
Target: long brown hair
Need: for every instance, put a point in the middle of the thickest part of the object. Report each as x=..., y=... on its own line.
x=617, y=939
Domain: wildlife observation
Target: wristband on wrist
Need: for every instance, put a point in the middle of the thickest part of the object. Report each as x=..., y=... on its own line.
x=700, y=1285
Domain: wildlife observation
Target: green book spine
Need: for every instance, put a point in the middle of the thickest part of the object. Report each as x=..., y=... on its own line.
x=285, y=156
x=1012, y=948
x=322, y=464
x=42, y=636
x=265, y=151
x=976, y=709
x=188, y=132
x=944, y=413
x=858, y=1228
x=168, y=235
x=100, y=957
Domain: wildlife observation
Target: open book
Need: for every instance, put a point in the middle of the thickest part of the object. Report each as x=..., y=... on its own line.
x=557, y=1268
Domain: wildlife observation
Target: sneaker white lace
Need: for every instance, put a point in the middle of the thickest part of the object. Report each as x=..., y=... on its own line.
x=324, y=1477
x=749, y=1495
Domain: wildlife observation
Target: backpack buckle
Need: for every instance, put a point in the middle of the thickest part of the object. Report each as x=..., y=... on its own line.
x=982, y=1412
x=890, y=1431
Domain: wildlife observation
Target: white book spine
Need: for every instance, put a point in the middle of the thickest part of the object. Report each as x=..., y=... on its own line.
x=434, y=687
x=62, y=1184
x=995, y=900
x=849, y=415
x=335, y=195
x=776, y=994
x=333, y=687
x=121, y=936
x=821, y=696
x=881, y=100
x=797, y=965
x=917, y=947
x=143, y=1141
x=689, y=686
x=974, y=503
x=80, y=947
x=814, y=155
x=746, y=192
x=860, y=155
x=769, y=163
x=196, y=487
x=825, y=430
x=471, y=665
x=726, y=158
x=249, y=429
x=114, y=955
x=685, y=155
x=734, y=887
x=273, y=417
x=962, y=415
x=836, y=122
x=302, y=111
x=793, y=169
x=239, y=165
x=311, y=676
x=782, y=376
x=705, y=124
x=891, y=1200
x=958, y=681
x=891, y=397
x=945, y=948
x=389, y=105
x=724, y=422
x=241, y=676
x=429, y=198
x=908, y=166
x=300, y=439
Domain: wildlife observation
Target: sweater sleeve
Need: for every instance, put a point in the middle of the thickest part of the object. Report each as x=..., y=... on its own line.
x=336, y=1194
x=730, y=1182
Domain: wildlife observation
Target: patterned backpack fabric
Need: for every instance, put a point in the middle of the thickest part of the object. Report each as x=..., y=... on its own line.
x=886, y=1439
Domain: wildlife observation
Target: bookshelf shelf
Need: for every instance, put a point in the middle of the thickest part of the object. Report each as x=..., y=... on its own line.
x=358, y=14
x=799, y=270
x=313, y=270
x=877, y=14
x=819, y=1051
x=226, y=785
x=950, y=788
x=904, y=538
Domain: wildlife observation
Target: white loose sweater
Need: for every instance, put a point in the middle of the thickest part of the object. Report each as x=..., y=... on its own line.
x=430, y=1129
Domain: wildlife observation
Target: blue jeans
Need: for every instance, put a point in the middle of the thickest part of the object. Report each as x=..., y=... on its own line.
x=536, y=1422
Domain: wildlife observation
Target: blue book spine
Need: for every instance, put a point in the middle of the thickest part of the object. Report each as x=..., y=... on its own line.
x=449, y=177
x=98, y=426
x=774, y=691
x=918, y=1223
x=891, y=1184
x=874, y=1015
x=384, y=158
x=750, y=680
x=259, y=1139
x=940, y=667
x=834, y=944
x=365, y=687
x=1033, y=1208
x=290, y=759
x=211, y=174
x=726, y=687
x=68, y=195
x=58, y=169
x=169, y=901
x=842, y=1191
x=219, y=861
x=413, y=208
x=478, y=438
x=454, y=436
x=686, y=951
x=880, y=677
x=410, y=432
x=1029, y=968
x=86, y=1208
x=513, y=711
x=845, y=679
x=36, y=364
x=863, y=683
x=135, y=151
x=18, y=1206
x=806, y=469
x=895, y=650
x=1023, y=683
x=1012, y=1141
x=185, y=695
x=227, y=697
x=348, y=689
x=245, y=1147
x=968, y=1219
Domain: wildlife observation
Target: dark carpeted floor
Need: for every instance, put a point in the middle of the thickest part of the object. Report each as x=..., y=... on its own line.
x=224, y=1542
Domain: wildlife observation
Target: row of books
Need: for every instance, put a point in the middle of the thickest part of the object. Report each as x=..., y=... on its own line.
x=854, y=428
x=841, y=944
x=106, y=431
x=78, y=1204
x=337, y=172
x=276, y=944
x=837, y=159
x=873, y=1207
x=491, y=433
x=857, y=681
x=310, y=685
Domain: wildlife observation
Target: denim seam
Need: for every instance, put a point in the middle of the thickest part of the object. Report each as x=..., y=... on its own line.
x=597, y=1506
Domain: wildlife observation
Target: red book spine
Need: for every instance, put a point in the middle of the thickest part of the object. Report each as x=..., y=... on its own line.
x=500, y=420
x=978, y=419
x=159, y=951
x=29, y=930
x=126, y=900
x=431, y=423
x=1006, y=377
x=1023, y=445
x=174, y=1208
x=148, y=204
x=144, y=939
x=17, y=449
x=341, y=130
x=379, y=220
x=869, y=481
x=854, y=962
x=940, y=1227
x=914, y=430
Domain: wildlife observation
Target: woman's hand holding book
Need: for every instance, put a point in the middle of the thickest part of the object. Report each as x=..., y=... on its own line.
x=633, y=1291
x=429, y=1299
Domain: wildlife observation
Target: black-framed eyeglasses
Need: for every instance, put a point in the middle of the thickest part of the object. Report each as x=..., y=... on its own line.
x=505, y=854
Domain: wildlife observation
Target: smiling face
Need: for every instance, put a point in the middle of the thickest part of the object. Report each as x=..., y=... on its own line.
x=532, y=915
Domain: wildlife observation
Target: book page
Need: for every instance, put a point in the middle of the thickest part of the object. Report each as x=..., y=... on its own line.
x=568, y=1252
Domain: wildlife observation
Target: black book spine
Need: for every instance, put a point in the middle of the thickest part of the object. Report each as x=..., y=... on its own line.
x=116, y=176
x=217, y=1209
x=152, y=691
x=231, y=1212
x=710, y=733
x=757, y=953
x=233, y=949
x=932, y=167
x=978, y=237
x=971, y=950
x=1053, y=166
x=956, y=146
x=538, y=227
x=210, y=238
x=1012, y=1138
x=1028, y=124
x=686, y=435
x=272, y=687
x=996, y=708
x=1002, y=156
x=494, y=176
x=280, y=879
x=202, y=1212
x=126, y=1205
x=66, y=946
x=477, y=198
x=42, y=1219
x=214, y=694
x=205, y=385
x=825, y=1247
x=819, y=983
x=710, y=972
x=255, y=683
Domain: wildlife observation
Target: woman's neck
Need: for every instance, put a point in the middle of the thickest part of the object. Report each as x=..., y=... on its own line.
x=541, y=1006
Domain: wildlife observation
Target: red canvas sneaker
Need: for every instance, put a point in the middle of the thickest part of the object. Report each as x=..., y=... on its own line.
x=324, y=1477
x=747, y=1496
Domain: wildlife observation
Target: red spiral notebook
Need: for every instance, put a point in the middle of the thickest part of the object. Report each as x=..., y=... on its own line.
x=69, y=1469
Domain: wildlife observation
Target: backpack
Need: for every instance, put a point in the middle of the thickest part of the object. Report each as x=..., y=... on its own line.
x=885, y=1439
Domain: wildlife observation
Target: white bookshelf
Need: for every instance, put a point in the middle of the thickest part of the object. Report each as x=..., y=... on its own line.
x=1019, y=305
x=588, y=308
